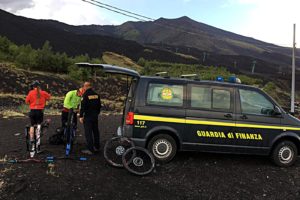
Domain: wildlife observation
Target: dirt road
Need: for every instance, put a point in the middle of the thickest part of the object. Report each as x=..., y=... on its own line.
x=189, y=176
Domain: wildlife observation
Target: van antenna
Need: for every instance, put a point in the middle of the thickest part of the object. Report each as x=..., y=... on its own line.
x=163, y=74
x=195, y=76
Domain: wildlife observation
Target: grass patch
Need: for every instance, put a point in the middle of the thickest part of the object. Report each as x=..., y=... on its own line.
x=52, y=112
x=10, y=114
x=245, y=45
x=187, y=56
x=119, y=60
x=6, y=95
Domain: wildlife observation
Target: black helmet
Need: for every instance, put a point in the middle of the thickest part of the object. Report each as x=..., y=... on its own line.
x=35, y=84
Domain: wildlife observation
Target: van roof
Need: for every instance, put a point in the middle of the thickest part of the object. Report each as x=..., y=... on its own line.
x=208, y=82
x=129, y=72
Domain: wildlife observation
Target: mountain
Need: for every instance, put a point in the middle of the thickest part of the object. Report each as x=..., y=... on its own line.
x=185, y=32
x=189, y=33
x=181, y=40
x=65, y=38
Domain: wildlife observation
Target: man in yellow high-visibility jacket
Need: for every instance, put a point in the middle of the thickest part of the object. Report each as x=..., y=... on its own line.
x=71, y=101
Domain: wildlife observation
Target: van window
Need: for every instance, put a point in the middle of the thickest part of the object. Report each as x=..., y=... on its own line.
x=165, y=95
x=201, y=97
x=253, y=102
x=207, y=98
x=221, y=99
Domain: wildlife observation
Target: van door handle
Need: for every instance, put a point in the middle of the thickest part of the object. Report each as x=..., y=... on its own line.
x=228, y=115
x=244, y=117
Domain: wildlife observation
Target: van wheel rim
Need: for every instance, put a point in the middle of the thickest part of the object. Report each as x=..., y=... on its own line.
x=285, y=154
x=162, y=148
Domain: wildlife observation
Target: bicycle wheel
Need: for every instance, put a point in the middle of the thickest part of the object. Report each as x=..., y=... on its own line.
x=115, y=148
x=138, y=161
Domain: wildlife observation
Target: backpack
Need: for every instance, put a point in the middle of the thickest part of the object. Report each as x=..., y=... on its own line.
x=58, y=137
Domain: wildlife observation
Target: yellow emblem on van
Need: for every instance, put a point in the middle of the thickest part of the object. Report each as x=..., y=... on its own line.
x=166, y=94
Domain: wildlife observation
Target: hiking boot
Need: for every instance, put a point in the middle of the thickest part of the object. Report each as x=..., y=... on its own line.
x=87, y=152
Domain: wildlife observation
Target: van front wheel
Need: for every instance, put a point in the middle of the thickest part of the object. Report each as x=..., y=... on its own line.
x=163, y=147
x=285, y=154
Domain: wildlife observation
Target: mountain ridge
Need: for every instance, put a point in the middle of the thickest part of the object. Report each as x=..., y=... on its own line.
x=132, y=38
x=62, y=38
x=191, y=33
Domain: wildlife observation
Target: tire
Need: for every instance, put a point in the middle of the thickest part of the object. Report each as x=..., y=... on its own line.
x=138, y=161
x=115, y=148
x=163, y=147
x=285, y=153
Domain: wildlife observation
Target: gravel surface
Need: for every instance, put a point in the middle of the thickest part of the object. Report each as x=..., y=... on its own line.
x=190, y=175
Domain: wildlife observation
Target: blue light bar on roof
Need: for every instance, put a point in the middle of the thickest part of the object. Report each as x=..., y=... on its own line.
x=220, y=78
x=234, y=79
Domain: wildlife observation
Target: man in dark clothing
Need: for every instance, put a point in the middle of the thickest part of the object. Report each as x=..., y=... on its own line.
x=89, y=111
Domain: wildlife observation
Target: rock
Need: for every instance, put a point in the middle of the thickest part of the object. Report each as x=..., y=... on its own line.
x=20, y=187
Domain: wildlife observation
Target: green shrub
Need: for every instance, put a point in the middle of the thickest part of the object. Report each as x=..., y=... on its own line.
x=141, y=62
x=79, y=74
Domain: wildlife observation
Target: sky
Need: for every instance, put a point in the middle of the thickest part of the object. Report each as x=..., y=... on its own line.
x=267, y=20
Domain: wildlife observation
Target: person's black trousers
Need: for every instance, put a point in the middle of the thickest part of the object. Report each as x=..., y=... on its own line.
x=92, y=134
x=64, y=118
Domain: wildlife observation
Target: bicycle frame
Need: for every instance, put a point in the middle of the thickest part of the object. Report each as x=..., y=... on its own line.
x=69, y=132
x=39, y=130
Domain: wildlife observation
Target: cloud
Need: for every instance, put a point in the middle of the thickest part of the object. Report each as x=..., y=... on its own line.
x=15, y=5
x=271, y=20
x=75, y=12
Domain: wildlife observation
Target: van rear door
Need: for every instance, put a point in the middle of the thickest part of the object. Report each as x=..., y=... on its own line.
x=112, y=69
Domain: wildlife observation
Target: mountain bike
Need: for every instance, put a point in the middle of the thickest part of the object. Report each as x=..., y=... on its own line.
x=70, y=132
x=34, y=147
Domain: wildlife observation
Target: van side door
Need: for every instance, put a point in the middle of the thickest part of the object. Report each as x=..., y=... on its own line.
x=210, y=117
x=256, y=125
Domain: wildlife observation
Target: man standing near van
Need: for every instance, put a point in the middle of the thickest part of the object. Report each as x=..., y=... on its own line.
x=89, y=111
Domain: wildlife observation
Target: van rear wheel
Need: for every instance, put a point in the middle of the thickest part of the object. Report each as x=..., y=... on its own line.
x=163, y=147
x=285, y=154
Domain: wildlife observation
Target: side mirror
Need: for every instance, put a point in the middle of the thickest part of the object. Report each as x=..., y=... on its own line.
x=272, y=112
x=277, y=111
